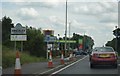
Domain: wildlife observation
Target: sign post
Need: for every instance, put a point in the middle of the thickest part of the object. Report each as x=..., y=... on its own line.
x=21, y=46
x=18, y=33
x=47, y=46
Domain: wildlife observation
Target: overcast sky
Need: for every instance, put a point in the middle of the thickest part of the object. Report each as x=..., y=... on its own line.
x=95, y=18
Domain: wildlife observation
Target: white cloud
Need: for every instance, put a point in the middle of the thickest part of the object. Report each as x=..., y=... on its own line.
x=53, y=18
x=109, y=18
x=83, y=26
x=94, y=8
x=111, y=26
x=0, y=10
x=95, y=19
x=63, y=0
x=26, y=13
x=14, y=0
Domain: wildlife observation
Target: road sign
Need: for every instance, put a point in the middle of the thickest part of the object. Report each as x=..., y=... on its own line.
x=67, y=41
x=49, y=38
x=18, y=37
x=18, y=29
x=80, y=41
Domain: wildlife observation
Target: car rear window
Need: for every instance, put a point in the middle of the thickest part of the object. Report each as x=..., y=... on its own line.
x=104, y=49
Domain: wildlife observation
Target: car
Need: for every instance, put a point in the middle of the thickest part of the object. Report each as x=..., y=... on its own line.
x=84, y=53
x=103, y=56
x=78, y=53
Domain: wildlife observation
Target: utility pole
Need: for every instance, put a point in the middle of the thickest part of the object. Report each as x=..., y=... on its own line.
x=116, y=39
x=84, y=42
x=59, y=42
x=66, y=30
x=69, y=34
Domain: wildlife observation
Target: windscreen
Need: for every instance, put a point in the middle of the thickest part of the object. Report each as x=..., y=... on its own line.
x=103, y=49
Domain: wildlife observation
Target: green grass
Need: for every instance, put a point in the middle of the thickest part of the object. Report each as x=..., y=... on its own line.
x=9, y=56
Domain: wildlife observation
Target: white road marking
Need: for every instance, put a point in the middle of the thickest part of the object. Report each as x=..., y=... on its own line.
x=68, y=66
x=51, y=69
x=48, y=70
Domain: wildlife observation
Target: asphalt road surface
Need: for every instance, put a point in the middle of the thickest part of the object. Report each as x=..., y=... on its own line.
x=82, y=67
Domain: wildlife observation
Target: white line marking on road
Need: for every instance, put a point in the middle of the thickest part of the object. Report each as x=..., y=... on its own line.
x=49, y=70
x=68, y=66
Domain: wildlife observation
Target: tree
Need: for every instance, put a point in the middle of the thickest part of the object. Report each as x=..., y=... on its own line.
x=111, y=43
x=88, y=42
x=6, y=30
x=115, y=41
x=116, y=32
x=35, y=42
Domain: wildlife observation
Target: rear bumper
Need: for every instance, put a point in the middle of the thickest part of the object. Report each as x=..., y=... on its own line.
x=104, y=61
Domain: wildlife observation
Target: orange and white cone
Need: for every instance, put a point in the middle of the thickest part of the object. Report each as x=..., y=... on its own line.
x=62, y=58
x=71, y=57
x=17, y=65
x=50, y=63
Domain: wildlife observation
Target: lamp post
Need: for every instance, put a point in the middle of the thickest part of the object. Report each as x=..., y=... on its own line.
x=83, y=42
x=116, y=38
x=69, y=34
x=66, y=30
x=58, y=41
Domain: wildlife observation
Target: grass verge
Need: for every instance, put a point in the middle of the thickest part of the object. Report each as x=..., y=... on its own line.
x=9, y=56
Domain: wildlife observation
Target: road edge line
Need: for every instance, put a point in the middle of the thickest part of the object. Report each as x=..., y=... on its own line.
x=51, y=69
x=68, y=66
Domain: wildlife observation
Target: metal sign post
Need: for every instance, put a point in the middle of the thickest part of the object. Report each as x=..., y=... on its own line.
x=49, y=39
x=21, y=46
x=47, y=46
x=47, y=51
x=15, y=46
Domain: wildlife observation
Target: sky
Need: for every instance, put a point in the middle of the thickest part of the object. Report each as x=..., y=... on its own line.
x=95, y=18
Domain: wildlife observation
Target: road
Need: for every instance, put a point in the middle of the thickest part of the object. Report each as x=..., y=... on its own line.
x=32, y=68
x=81, y=67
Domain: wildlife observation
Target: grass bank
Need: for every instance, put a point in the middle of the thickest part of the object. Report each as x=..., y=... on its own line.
x=9, y=56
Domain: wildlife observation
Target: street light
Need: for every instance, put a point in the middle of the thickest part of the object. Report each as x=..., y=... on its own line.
x=116, y=38
x=66, y=30
x=69, y=34
x=58, y=41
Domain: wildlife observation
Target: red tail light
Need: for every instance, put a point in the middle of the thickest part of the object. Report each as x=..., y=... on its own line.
x=112, y=55
x=95, y=55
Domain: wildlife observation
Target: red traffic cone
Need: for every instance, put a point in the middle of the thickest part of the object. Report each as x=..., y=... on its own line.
x=62, y=58
x=17, y=65
x=50, y=63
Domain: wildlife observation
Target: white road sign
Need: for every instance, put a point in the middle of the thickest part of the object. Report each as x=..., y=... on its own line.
x=18, y=29
x=18, y=37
